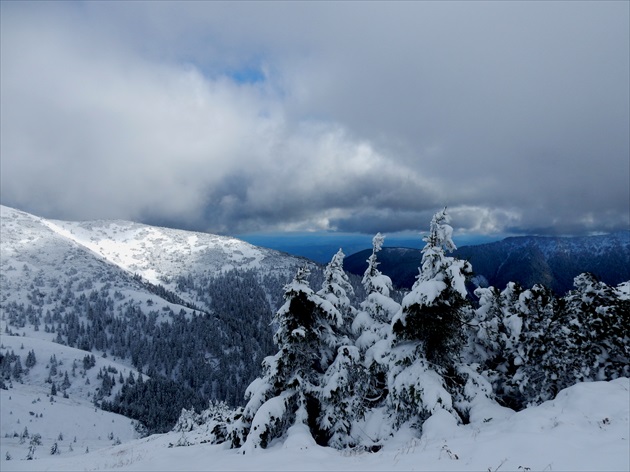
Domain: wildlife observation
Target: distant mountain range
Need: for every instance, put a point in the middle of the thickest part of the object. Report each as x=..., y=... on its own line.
x=551, y=261
x=320, y=246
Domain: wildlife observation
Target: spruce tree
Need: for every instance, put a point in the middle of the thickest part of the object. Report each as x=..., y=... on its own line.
x=542, y=344
x=288, y=391
x=373, y=326
x=432, y=312
x=340, y=393
x=342, y=397
x=337, y=289
x=427, y=333
x=597, y=320
x=31, y=360
x=66, y=381
x=497, y=341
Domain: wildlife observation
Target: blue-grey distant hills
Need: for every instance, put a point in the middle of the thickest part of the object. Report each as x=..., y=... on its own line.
x=551, y=261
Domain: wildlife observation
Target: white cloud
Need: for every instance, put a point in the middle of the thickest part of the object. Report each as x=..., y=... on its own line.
x=515, y=116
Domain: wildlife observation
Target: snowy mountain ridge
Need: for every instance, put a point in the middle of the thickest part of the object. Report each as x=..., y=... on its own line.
x=142, y=294
x=154, y=253
x=157, y=255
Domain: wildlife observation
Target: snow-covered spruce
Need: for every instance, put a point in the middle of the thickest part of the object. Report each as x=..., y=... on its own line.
x=408, y=358
x=530, y=345
x=341, y=392
x=373, y=326
x=337, y=289
x=425, y=371
x=307, y=342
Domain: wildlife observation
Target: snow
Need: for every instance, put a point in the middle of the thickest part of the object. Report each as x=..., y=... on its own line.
x=424, y=293
x=586, y=428
x=623, y=289
x=426, y=382
x=29, y=404
x=269, y=413
x=126, y=245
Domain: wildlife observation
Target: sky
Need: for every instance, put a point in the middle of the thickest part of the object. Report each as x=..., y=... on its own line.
x=355, y=117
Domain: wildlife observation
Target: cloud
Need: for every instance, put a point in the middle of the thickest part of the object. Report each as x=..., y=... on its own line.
x=351, y=116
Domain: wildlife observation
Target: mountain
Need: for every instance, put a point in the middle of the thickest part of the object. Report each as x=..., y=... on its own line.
x=106, y=321
x=528, y=260
x=191, y=311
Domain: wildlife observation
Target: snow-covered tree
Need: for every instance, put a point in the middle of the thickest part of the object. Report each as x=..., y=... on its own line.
x=530, y=345
x=31, y=360
x=341, y=397
x=490, y=341
x=542, y=344
x=341, y=387
x=508, y=337
x=288, y=391
x=372, y=325
x=337, y=289
x=597, y=320
x=427, y=332
x=484, y=342
x=432, y=312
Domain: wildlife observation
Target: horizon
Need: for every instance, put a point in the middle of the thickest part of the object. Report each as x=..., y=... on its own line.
x=320, y=246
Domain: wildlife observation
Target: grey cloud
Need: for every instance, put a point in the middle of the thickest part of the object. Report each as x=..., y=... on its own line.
x=370, y=115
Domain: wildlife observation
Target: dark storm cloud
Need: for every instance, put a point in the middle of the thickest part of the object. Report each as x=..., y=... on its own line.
x=353, y=116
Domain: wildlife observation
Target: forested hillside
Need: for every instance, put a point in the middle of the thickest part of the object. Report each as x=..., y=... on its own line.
x=528, y=260
x=191, y=311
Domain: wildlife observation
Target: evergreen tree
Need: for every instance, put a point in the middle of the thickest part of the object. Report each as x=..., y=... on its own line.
x=499, y=341
x=287, y=393
x=542, y=344
x=53, y=366
x=31, y=360
x=427, y=332
x=337, y=289
x=373, y=326
x=483, y=346
x=597, y=321
x=17, y=368
x=66, y=381
x=433, y=311
x=341, y=397
x=341, y=392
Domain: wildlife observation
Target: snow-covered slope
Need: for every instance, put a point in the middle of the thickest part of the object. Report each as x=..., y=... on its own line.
x=191, y=308
x=105, y=248
x=28, y=408
x=158, y=254
x=41, y=259
x=32, y=253
x=95, y=285
x=586, y=428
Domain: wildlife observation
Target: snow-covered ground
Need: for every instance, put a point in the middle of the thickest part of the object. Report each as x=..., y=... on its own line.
x=28, y=409
x=585, y=428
